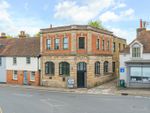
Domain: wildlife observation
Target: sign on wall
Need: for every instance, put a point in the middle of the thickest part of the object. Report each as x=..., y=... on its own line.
x=70, y=83
x=122, y=70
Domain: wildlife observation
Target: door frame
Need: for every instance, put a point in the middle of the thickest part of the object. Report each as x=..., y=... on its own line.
x=25, y=81
x=82, y=67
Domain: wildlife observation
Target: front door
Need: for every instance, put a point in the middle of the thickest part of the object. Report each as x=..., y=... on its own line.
x=25, y=78
x=81, y=75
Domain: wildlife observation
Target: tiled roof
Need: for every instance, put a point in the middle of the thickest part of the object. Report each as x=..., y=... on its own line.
x=20, y=47
x=144, y=39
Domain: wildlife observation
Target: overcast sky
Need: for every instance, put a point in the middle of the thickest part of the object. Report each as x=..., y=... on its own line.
x=120, y=16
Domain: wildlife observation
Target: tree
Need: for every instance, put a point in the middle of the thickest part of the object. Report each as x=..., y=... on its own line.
x=97, y=24
x=37, y=34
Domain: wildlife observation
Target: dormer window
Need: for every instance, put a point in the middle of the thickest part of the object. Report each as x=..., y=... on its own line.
x=136, y=51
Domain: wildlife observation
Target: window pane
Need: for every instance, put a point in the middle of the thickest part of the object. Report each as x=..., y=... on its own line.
x=64, y=68
x=65, y=43
x=103, y=45
x=28, y=60
x=105, y=66
x=97, y=44
x=14, y=60
x=49, y=68
x=57, y=43
x=81, y=43
x=108, y=45
x=97, y=68
x=136, y=52
x=146, y=74
x=15, y=75
x=32, y=76
x=114, y=47
x=146, y=71
x=48, y=44
x=136, y=73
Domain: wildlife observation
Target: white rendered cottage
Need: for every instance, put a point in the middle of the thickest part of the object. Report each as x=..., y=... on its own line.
x=135, y=61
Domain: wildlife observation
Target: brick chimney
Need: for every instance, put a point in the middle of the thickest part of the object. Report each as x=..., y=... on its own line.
x=142, y=28
x=3, y=35
x=22, y=34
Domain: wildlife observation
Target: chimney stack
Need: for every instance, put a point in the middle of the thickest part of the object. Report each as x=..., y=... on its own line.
x=51, y=25
x=3, y=35
x=139, y=30
x=141, y=23
x=22, y=34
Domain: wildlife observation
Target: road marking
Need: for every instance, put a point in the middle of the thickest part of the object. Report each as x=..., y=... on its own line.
x=1, y=110
x=22, y=95
x=142, y=97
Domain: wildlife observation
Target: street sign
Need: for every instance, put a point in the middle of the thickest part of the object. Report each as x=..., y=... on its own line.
x=122, y=70
x=70, y=83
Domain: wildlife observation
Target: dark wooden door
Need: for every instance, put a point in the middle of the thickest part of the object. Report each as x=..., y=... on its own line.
x=81, y=74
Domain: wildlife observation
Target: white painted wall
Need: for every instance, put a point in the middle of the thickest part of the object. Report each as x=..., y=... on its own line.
x=3, y=70
x=127, y=57
x=123, y=59
x=21, y=64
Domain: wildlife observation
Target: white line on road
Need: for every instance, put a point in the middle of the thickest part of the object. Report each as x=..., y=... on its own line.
x=22, y=95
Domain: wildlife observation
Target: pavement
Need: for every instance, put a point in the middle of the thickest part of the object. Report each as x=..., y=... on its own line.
x=30, y=100
x=109, y=88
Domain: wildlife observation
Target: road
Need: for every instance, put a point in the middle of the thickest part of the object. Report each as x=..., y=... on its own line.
x=22, y=100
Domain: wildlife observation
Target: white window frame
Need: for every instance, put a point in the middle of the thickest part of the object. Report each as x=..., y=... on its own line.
x=14, y=60
x=15, y=75
x=141, y=49
x=31, y=76
x=28, y=60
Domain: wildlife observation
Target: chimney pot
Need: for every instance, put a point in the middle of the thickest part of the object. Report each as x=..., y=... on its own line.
x=51, y=25
x=22, y=34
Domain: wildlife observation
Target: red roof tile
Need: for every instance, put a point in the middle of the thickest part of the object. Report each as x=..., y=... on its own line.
x=20, y=47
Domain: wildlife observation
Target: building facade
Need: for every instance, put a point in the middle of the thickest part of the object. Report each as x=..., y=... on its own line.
x=118, y=45
x=135, y=61
x=77, y=52
x=3, y=46
x=20, y=60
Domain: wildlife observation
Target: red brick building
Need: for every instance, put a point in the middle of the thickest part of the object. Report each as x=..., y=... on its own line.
x=78, y=52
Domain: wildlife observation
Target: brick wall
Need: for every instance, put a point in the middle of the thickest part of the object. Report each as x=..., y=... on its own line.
x=20, y=78
x=73, y=36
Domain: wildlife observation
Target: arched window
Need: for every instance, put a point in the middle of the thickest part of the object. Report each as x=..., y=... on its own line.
x=136, y=51
x=105, y=66
x=97, y=68
x=64, y=68
x=49, y=68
